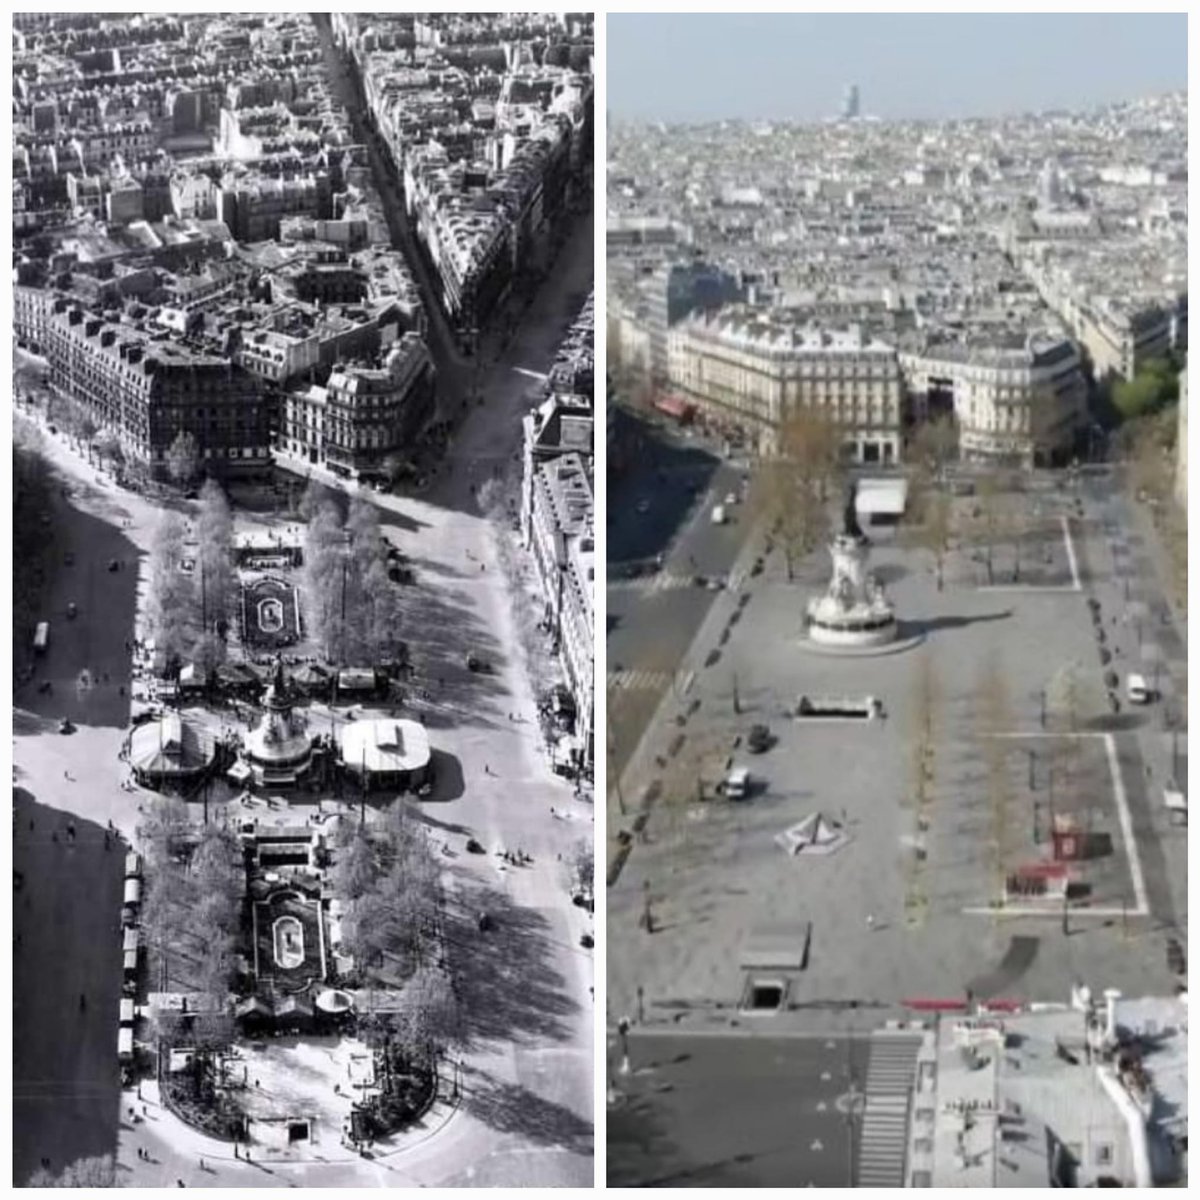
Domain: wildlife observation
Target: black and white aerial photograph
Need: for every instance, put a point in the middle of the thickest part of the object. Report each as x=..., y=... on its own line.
x=303, y=366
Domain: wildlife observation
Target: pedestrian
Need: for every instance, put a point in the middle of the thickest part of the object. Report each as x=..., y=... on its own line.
x=236, y=1152
x=144, y=1113
x=202, y=1163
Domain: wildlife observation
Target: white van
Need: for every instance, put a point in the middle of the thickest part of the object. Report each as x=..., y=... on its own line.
x=718, y=514
x=1137, y=691
x=737, y=784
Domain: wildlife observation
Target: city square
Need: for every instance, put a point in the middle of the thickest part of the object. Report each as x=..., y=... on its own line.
x=284, y=726
x=897, y=667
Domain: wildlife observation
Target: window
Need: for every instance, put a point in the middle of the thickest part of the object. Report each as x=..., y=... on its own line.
x=1104, y=1154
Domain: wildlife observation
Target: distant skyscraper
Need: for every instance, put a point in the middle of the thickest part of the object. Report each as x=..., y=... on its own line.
x=850, y=102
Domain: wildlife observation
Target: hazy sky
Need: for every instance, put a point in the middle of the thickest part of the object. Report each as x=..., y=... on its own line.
x=703, y=67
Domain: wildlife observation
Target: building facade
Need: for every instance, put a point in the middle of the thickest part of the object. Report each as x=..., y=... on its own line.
x=562, y=541
x=148, y=390
x=747, y=370
x=363, y=414
x=1024, y=401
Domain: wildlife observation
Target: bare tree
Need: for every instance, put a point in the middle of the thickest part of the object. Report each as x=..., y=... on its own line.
x=934, y=446
x=988, y=522
x=183, y=459
x=97, y=1172
x=933, y=535
x=430, y=1020
x=993, y=716
x=791, y=491
x=218, y=581
x=171, y=599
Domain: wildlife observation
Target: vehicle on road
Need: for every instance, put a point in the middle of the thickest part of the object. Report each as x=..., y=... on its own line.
x=113, y=564
x=65, y=726
x=477, y=665
x=486, y=922
x=731, y=499
x=758, y=739
x=736, y=785
x=718, y=514
x=1137, y=691
x=587, y=941
x=69, y=558
x=41, y=637
x=72, y=610
x=473, y=847
x=643, y=507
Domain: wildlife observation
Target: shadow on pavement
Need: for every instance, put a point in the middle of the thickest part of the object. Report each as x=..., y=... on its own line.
x=86, y=663
x=66, y=912
x=510, y=1108
x=508, y=989
x=449, y=781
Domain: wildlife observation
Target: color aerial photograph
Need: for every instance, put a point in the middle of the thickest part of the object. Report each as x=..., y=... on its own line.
x=303, y=358
x=896, y=627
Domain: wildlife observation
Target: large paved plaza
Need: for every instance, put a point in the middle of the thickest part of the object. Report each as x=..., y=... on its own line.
x=904, y=910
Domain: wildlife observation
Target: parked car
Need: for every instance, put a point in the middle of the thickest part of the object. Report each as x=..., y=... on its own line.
x=114, y=564
x=758, y=739
x=486, y=922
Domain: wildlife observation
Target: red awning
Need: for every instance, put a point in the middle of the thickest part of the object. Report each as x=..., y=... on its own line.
x=675, y=406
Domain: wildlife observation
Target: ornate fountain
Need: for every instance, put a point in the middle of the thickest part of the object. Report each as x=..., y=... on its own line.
x=854, y=612
x=278, y=750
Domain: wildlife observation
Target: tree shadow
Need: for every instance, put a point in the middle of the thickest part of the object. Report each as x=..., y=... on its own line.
x=511, y=1108
x=508, y=988
x=65, y=1080
x=27, y=724
x=95, y=640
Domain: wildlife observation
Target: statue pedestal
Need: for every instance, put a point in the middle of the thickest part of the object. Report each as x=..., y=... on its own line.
x=854, y=612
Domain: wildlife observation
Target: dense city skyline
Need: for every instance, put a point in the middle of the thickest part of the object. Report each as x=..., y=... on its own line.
x=912, y=66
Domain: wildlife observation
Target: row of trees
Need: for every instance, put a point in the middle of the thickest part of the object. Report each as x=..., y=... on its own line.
x=387, y=881
x=351, y=607
x=192, y=909
x=792, y=490
x=189, y=612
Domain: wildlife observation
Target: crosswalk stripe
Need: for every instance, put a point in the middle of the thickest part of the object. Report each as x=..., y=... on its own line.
x=883, y=1141
x=662, y=581
x=639, y=680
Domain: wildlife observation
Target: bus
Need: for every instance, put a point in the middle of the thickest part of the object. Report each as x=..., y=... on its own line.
x=41, y=637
